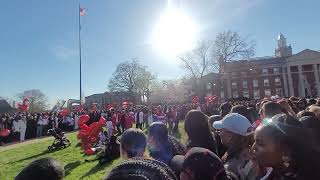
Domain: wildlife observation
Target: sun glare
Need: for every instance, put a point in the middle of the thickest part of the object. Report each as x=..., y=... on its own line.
x=174, y=33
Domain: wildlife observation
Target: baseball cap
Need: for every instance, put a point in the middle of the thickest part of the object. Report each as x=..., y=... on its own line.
x=235, y=123
x=200, y=163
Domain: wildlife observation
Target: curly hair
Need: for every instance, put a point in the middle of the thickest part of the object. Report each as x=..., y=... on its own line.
x=141, y=169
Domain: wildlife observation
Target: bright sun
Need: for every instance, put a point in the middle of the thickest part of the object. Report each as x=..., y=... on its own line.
x=174, y=33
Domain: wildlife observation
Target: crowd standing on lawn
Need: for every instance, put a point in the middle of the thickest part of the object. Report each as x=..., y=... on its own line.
x=272, y=139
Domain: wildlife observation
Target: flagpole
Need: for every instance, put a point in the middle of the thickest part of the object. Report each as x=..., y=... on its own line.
x=80, y=56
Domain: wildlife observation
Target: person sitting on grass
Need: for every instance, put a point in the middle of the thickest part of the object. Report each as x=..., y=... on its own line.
x=111, y=152
x=45, y=168
x=132, y=143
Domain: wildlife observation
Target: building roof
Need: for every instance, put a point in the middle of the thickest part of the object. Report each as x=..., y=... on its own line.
x=253, y=62
x=99, y=95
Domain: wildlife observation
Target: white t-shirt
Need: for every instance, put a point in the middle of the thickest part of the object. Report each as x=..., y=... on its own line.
x=141, y=117
x=76, y=119
x=16, y=126
x=45, y=121
x=150, y=119
x=40, y=121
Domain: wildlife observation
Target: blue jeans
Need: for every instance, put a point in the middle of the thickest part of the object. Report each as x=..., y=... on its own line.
x=39, y=130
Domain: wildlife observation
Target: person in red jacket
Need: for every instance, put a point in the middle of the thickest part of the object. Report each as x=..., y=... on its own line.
x=114, y=117
x=128, y=120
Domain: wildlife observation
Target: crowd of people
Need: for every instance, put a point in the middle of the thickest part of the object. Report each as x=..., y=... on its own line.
x=273, y=139
x=25, y=125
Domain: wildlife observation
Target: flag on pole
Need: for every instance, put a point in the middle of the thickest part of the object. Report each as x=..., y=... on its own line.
x=83, y=11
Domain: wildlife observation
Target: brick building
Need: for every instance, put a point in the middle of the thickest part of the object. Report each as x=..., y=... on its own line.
x=284, y=74
x=103, y=99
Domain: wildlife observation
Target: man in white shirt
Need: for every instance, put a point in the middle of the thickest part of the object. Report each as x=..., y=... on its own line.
x=76, y=119
x=139, y=118
x=39, y=126
x=23, y=127
x=19, y=125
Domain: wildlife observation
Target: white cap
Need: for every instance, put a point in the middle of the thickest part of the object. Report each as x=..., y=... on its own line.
x=235, y=123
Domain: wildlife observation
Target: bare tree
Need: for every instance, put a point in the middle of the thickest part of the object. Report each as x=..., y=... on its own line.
x=198, y=62
x=37, y=99
x=133, y=78
x=144, y=82
x=230, y=46
x=168, y=91
x=123, y=79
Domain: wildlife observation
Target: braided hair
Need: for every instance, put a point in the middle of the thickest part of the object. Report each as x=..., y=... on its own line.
x=141, y=169
x=176, y=146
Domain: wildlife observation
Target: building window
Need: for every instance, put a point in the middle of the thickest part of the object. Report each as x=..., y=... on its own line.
x=256, y=94
x=235, y=94
x=279, y=91
x=246, y=93
x=222, y=94
x=276, y=70
x=209, y=86
x=265, y=71
x=277, y=81
x=267, y=92
x=266, y=82
x=234, y=85
x=244, y=84
x=255, y=83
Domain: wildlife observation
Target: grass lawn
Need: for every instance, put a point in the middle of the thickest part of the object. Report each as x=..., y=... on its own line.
x=16, y=157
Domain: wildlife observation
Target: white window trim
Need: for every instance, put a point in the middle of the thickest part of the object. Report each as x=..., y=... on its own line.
x=265, y=94
x=256, y=97
x=277, y=83
x=254, y=83
x=245, y=83
x=234, y=86
x=247, y=92
x=264, y=83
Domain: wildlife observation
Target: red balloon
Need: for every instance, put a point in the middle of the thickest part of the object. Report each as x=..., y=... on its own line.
x=83, y=119
x=4, y=132
x=89, y=134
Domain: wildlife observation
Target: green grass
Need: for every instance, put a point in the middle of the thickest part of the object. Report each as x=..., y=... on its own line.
x=14, y=159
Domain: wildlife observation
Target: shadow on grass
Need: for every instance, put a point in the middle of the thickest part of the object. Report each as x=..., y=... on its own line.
x=70, y=166
x=78, y=144
x=96, y=168
x=37, y=155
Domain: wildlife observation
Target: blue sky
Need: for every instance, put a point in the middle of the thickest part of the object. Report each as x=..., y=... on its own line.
x=39, y=40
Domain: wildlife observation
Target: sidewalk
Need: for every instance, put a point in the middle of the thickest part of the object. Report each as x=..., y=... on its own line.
x=26, y=142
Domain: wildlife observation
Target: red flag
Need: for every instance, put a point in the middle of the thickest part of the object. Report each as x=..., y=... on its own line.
x=83, y=11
